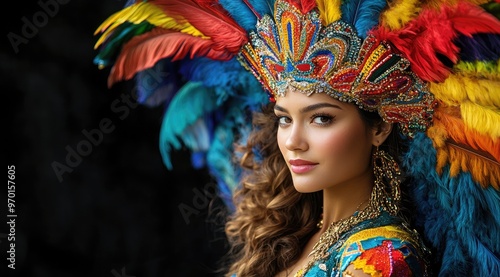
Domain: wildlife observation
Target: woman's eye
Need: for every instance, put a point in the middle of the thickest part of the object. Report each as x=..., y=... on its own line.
x=283, y=120
x=322, y=119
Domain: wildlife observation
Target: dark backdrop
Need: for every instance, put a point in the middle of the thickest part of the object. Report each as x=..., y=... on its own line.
x=92, y=196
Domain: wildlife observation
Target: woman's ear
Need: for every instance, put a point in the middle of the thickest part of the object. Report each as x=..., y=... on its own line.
x=381, y=132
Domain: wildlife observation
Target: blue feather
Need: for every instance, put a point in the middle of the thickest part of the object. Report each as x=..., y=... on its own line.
x=362, y=14
x=198, y=159
x=454, y=259
x=220, y=157
x=209, y=115
x=220, y=162
x=202, y=70
x=130, y=2
x=459, y=219
x=199, y=152
x=157, y=85
x=235, y=93
x=232, y=80
x=479, y=47
x=243, y=15
x=183, y=121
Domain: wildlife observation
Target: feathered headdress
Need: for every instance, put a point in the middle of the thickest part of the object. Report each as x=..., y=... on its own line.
x=451, y=49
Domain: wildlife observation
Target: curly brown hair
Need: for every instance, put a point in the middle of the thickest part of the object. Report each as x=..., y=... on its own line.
x=272, y=221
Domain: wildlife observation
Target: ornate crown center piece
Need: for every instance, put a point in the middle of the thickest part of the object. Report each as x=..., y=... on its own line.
x=294, y=51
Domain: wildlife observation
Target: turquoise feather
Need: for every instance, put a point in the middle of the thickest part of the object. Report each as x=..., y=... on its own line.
x=220, y=162
x=460, y=219
x=196, y=137
x=221, y=152
x=236, y=94
x=362, y=14
x=183, y=121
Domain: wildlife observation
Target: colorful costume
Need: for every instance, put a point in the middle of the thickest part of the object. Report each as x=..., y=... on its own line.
x=384, y=246
x=447, y=48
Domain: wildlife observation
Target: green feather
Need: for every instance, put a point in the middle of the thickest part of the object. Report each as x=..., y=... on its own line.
x=123, y=33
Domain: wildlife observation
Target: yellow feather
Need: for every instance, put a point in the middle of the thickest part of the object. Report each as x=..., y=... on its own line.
x=144, y=11
x=485, y=121
x=457, y=89
x=399, y=13
x=329, y=11
x=487, y=69
x=474, y=88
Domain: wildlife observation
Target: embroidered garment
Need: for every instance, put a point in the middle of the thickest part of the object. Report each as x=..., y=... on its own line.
x=381, y=247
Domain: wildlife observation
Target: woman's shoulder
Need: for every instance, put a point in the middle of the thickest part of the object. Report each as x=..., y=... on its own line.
x=384, y=249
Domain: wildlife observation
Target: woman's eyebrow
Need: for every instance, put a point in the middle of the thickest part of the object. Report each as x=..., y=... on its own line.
x=310, y=108
x=280, y=108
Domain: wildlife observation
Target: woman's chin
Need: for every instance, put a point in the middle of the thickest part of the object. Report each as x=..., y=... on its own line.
x=306, y=188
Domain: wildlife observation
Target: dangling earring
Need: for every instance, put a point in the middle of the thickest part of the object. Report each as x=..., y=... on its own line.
x=320, y=222
x=387, y=181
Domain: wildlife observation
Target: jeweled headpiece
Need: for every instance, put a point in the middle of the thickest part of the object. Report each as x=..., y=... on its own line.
x=294, y=50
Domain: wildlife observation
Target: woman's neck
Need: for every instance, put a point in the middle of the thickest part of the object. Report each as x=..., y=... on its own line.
x=343, y=200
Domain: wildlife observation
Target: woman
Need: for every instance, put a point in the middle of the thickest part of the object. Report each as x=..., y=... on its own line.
x=319, y=189
x=325, y=199
x=318, y=172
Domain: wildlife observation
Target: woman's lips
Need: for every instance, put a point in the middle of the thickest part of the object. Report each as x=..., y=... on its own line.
x=301, y=166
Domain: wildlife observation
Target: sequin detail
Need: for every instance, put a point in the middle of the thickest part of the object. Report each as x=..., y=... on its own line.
x=382, y=246
x=383, y=261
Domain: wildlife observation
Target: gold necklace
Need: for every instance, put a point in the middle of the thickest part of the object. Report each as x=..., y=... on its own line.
x=320, y=222
x=336, y=229
x=333, y=233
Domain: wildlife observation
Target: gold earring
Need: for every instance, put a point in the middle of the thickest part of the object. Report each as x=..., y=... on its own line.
x=387, y=181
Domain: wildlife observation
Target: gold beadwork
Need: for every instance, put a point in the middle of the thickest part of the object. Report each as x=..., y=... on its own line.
x=347, y=273
x=386, y=171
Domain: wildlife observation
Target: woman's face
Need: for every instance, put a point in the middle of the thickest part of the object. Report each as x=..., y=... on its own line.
x=324, y=141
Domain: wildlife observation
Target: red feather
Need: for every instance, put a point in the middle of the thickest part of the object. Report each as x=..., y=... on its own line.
x=211, y=19
x=143, y=51
x=433, y=33
x=304, y=6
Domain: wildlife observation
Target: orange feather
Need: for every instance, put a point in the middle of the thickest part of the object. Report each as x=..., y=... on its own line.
x=464, y=149
x=143, y=51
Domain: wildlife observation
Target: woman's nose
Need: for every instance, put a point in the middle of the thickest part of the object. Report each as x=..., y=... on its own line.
x=296, y=140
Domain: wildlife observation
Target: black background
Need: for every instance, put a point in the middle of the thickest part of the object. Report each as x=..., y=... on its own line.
x=117, y=212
